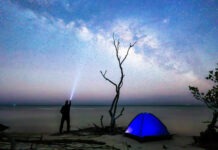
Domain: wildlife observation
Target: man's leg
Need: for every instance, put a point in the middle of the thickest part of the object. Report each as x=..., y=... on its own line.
x=68, y=125
x=61, y=125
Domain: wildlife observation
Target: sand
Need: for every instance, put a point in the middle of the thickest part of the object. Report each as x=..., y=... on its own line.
x=87, y=141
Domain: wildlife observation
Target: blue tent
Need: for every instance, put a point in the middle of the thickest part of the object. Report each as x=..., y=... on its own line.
x=145, y=126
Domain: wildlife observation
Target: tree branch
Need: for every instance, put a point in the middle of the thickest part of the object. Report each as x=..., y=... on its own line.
x=117, y=53
x=102, y=125
x=116, y=45
x=104, y=76
x=130, y=46
x=121, y=113
x=121, y=84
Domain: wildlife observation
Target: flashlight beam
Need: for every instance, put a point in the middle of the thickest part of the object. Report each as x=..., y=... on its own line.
x=75, y=83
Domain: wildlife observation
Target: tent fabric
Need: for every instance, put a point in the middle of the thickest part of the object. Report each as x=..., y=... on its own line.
x=147, y=126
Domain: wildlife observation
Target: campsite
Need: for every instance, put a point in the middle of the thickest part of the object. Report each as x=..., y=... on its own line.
x=108, y=74
x=46, y=128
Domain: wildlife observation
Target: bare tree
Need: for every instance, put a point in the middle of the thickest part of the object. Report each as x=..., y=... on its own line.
x=118, y=86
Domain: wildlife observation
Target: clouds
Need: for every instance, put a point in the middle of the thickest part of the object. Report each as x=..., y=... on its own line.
x=149, y=47
x=84, y=33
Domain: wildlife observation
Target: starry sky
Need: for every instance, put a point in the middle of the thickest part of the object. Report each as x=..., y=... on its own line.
x=52, y=48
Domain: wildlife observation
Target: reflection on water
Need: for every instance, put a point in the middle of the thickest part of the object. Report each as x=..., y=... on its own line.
x=179, y=120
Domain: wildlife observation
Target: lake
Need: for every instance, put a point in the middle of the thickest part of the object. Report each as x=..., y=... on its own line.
x=181, y=120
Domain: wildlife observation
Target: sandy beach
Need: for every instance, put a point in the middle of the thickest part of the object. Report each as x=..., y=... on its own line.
x=87, y=141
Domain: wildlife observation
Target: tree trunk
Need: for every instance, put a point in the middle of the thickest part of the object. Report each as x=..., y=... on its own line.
x=112, y=124
x=112, y=112
x=212, y=125
x=210, y=133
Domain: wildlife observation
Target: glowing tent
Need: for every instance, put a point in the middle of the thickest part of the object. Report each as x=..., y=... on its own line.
x=145, y=126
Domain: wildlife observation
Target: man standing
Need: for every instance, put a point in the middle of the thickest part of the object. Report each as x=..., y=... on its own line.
x=65, y=111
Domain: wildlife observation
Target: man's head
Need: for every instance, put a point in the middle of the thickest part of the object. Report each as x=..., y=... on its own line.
x=66, y=102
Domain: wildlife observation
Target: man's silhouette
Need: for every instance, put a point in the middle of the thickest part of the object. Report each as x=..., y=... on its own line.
x=65, y=111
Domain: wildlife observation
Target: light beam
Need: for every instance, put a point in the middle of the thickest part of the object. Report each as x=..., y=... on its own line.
x=75, y=83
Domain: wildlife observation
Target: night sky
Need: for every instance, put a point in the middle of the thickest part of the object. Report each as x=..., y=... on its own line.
x=49, y=48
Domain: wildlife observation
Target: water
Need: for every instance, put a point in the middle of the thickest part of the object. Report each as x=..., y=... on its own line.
x=179, y=120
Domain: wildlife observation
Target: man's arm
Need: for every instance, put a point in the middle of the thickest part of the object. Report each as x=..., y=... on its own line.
x=61, y=110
